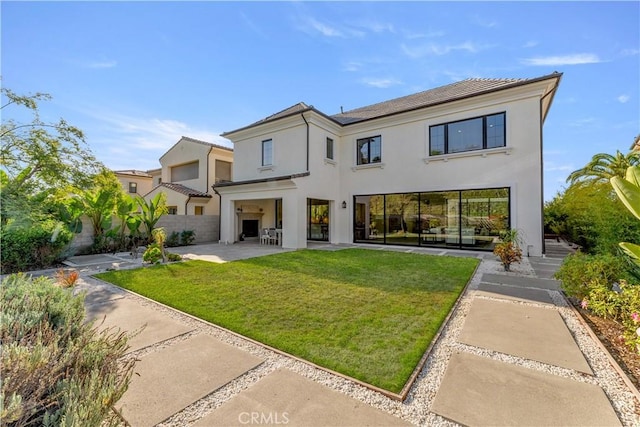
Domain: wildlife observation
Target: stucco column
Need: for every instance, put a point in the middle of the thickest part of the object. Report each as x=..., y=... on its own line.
x=227, y=222
x=294, y=226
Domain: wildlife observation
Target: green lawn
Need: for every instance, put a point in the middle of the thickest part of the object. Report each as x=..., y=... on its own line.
x=368, y=314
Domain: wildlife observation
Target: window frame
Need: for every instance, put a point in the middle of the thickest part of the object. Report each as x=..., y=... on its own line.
x=133, y=185
x=368, y=141
x=264, y=142
x=446, y=148
x=329, y=149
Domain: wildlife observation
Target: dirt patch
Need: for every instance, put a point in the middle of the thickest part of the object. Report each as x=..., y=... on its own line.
x=611, y=335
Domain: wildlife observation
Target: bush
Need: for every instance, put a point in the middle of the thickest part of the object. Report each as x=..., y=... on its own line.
x=173, y=239
x=56, y=369
x=187, y=237
x=39, y=245
x=174, y=257
x=579, y=273
x=621, y=303
x=153, y=254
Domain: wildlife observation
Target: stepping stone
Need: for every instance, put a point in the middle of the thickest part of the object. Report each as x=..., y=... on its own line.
x=533, y=333
x=286, y=398
x=153, y=326
x=170, y=379
x=514, y=293
x=477, y=391
x=525, y=282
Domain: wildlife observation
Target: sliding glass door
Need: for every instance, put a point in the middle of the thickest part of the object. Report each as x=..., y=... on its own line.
x=318, y=220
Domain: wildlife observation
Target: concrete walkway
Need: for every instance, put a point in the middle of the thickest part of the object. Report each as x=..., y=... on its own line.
x=182, y=365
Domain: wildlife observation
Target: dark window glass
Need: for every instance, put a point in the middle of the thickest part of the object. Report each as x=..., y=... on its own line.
x=329, y=148
x=133, y=187
x=465, y=135
x=468, y=135
x=436, y=139
x=369, y=150
x=267, y=152
x=495, y=131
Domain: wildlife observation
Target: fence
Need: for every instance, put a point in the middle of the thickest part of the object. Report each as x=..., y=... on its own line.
x=205, y=228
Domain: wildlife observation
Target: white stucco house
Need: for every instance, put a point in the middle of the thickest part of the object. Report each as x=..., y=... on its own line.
x=188, y=171
x=448, y=167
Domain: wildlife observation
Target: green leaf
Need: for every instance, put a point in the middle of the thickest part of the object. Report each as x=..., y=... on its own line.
x=633, y=175
x=628, y=193
x=632, y=250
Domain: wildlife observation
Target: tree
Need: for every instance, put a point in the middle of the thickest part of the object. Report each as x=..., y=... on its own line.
x=151, y=211
x=38, y=156
x=604, y=166
x=628, y=191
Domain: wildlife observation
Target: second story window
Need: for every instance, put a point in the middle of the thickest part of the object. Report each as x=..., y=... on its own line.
x=267, y=152
x=133, y=187
x=329, y=151
x=369, y=150
x=185, y=172
x=468, y=135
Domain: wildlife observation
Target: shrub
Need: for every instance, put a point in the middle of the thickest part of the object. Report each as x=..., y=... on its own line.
x=67, y=280
x=187, y=237
x=508, y=250
x=56, y=369
x=173, y=239
x=620, y=303
x=174, y=257
x=36, y=246
x=580, y=272
x=153, y=254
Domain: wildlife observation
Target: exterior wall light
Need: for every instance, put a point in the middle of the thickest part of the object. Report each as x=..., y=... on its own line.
x=344, y=205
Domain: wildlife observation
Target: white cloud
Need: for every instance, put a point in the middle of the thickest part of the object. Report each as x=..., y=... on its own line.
x=352, y=66
x=623, y=98
x=101, y=64
x=441, y=49
x=325, y=29
x=381, y=82
x=128, y=142
x=530, y=43
x=572, y=59
x=582, y=122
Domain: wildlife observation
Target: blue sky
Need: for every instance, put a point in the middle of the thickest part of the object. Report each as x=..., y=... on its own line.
x=135, y=76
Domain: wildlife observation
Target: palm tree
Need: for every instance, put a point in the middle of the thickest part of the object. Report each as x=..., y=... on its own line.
x=604, y=166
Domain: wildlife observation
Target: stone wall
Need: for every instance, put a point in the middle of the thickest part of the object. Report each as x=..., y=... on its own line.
x=205, y=228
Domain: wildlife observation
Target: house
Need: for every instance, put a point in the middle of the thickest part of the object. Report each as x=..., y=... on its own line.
x=188, y=171
x=449, y=167
x=135, y=182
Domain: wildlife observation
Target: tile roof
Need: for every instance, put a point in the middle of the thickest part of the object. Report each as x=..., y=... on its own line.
x=439, y=95
x=133, y=172
x=183, y=189
x=198, y=141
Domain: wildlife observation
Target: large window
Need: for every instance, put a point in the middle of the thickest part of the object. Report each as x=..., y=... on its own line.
x=185, y=172
x=471, y=219
x=267, y=152
x=468, y=135
x=369, y=150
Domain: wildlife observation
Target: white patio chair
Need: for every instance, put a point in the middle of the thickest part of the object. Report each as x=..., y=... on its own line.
x=264, y=237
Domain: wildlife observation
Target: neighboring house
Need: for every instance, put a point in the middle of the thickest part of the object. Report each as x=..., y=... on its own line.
x=135, y=182
x=189, y=170
x=449, y=167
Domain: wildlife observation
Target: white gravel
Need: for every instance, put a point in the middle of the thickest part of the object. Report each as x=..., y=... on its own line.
x=416, y=407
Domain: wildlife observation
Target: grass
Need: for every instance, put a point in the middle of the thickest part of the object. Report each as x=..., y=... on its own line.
x=364, y=313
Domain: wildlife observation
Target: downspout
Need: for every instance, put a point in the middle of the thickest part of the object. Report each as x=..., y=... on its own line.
x=552, y=90
x=185, y=204
x=210, y=150
x=307, y=123
x=219, y=212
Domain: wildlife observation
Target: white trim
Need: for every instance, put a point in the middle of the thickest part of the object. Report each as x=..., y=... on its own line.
x=328, y=161
x=480, y=153
x=368, y=166
x=266, y=168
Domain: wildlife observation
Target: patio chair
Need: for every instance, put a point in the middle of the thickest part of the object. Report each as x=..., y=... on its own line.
x=264, y=237
x=273, y=236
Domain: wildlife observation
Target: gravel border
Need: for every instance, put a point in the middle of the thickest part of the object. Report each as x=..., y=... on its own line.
x=416, y=407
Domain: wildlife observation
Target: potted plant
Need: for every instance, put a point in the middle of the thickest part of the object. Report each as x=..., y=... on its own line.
x=508, y=250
